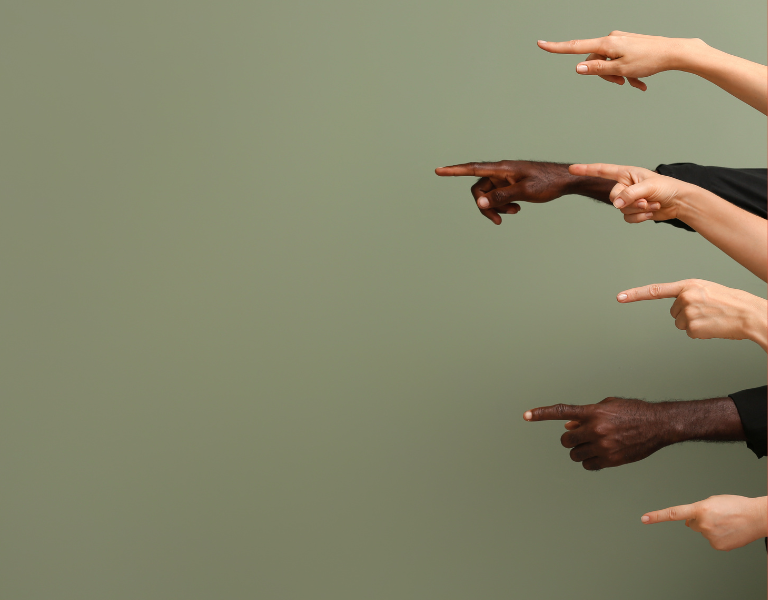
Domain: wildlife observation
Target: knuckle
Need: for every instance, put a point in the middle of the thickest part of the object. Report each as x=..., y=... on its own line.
x=672, y=513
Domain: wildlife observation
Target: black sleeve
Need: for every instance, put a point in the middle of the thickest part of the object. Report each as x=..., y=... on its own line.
x=746, y=188
x=753, y=412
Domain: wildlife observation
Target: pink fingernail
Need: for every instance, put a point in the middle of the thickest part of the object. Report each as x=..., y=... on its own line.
x=622, y=296
x=482, y=202
x=582, y=69
x=618, y=203
x=645, y=518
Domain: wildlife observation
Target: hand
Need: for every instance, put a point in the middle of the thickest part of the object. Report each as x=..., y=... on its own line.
x=639, y=193
x=727, y=522
x=706, y=310
x=632, y=55
x=503, y=184
x=613, y=432
x=740, y=234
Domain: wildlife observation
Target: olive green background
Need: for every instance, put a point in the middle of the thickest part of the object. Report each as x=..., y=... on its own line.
x=252, y=347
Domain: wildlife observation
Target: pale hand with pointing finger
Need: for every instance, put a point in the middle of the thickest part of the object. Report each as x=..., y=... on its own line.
x=661, y=194
x=728, y=522
x=632, y=55
x=741, y=235
x=708, y=310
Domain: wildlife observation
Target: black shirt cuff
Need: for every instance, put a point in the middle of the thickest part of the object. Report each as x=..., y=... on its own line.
x=752, y=405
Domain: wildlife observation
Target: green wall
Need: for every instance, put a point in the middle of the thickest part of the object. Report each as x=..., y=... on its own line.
x=252, y=347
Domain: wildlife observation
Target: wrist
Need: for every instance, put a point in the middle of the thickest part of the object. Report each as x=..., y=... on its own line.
x=759, y=517
x=673, y=426
x=714, y=419
x=755, y=323
x=596, y=188
x=692, y=55
x=692, y=204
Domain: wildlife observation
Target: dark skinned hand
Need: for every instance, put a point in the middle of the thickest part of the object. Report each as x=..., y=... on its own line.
x=613, y=432
x=505, y=183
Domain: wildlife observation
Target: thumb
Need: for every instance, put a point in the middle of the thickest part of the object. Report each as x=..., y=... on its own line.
x=499, y=197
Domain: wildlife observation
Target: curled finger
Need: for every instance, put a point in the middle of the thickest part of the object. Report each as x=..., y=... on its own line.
x=617, y=79
x=479, y=189
x=641, y=206
x=583, y=452
x=638, y=218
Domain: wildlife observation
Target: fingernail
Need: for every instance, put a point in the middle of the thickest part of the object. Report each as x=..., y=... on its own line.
x=482, y=202
x=543, y=42
x=649, y=215
x=618, y=203
x=622, y=296
x=527, y=415
x=645, y=518
x=582, y=69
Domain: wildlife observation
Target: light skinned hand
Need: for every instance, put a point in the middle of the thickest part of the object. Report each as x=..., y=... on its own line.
x=740, y=234
x=622, y=54
x=728, y=522
x=706, y=310
x=635, y=185
x=634, y=55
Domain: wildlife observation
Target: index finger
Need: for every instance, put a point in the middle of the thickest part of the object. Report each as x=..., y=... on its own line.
x=573, y=46
x=675, y=513
x=652, y=292
x=557, y=412
x=603, y=170
x=474, y=169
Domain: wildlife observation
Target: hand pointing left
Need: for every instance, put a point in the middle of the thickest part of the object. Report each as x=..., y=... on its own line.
x=708, y=310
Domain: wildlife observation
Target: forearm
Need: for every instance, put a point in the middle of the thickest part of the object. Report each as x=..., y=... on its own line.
x=715, y=419
x=596, y=188
x=744, y=79
x=741, y=235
